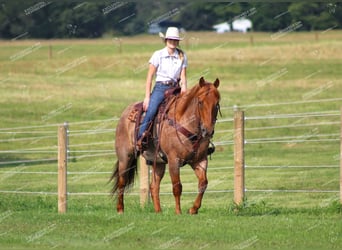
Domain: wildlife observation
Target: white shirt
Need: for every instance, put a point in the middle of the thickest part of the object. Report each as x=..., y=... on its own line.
x=168, y=66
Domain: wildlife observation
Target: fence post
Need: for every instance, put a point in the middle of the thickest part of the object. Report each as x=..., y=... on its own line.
x=62, y=167
x=341, y=159
x=239, y=163
x=144, y=181
x=50, y=51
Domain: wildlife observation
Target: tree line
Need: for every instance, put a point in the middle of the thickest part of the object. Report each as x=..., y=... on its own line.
x=80, y=19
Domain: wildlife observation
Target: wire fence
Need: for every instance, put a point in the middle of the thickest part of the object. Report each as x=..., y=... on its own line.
x=32, y=151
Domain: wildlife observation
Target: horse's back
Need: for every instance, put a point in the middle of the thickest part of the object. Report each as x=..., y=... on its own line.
x=124, y=134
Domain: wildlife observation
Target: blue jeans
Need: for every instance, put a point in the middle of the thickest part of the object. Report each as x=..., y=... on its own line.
x=157, y=97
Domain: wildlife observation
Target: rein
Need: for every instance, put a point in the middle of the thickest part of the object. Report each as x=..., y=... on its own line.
x=193, y=137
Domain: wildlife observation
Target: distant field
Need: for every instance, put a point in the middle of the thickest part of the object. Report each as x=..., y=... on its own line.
x=288, y=84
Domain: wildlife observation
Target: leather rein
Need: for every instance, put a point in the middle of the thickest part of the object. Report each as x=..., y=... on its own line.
x=194, y=138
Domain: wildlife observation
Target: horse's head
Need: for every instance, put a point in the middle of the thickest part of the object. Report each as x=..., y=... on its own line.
x=208, y=105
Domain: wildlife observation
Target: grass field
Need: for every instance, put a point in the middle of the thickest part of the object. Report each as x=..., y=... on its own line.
x=289, y=86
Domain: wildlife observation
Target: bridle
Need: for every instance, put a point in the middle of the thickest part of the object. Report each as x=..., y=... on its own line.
x=202, y=132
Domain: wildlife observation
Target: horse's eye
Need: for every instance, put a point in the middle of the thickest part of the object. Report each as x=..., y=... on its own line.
x=200, y=104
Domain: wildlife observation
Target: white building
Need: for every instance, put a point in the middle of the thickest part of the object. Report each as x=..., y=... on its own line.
x=240, y=25
x=222, y=27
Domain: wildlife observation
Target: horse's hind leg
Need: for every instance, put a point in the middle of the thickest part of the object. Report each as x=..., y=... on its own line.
x=157, y=175
x=124, y=176
x=201, y=173
x=121, y=184
x=121, y=190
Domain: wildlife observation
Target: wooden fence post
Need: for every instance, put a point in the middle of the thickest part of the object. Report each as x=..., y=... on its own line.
x=341, y=159
x=62, y=167
x=144, y=181
x=50, y=51
x=251, y=40
x=239, y=163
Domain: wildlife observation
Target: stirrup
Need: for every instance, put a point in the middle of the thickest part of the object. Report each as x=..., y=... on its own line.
x=142, y=143
x=211, y=149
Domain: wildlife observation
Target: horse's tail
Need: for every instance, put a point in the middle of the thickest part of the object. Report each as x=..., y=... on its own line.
x=128, y=175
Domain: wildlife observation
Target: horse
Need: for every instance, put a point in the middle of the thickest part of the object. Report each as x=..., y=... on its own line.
x=184, y=135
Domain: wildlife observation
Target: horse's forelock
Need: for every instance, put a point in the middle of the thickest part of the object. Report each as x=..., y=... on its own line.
x=209, y=89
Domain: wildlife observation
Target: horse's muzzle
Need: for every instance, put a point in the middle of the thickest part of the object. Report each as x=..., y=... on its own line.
x=206, y=132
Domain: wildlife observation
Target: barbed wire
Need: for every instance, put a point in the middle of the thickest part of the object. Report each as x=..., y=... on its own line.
x=208, y=191
x=293, y=166
x=257, y=105
x=295, y=115
x=27, y=132
x=112, y=153
x=90, y=132
x=94, y=121
x=59, y=124
x=104, y=152
x=292, y=191
x=184, y=169
x=292, y=126
x=28, y=138
x=28, y=151
x=97, y=131
x=28, y=161
x=28, y=172
x=91, y=151
x=31, y=127
x=28, y=192
x=294, y=139
x=91, y=144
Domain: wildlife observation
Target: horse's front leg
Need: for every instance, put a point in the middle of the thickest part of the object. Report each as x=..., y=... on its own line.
x=201, y=173
x=176, y=184
x=157, y=175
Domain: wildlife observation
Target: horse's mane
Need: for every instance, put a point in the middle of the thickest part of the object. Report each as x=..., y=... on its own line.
x=196, y=91
x=184, y=100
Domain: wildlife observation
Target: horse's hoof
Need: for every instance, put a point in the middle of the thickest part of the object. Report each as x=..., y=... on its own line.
x=193, y=211
x=178, y=212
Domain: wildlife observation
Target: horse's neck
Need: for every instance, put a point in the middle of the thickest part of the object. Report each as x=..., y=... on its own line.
x=189, y=111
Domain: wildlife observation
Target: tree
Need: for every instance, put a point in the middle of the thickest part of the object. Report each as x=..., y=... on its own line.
x=199, y=16
x=271, y=16
x=313, y=16
x=16, y=16
x=89, y=19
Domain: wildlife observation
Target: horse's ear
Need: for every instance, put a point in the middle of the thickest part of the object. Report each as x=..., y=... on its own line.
x=217, y=83
x=202, y=81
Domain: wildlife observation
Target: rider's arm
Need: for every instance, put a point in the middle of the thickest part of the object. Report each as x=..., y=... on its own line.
x=151, y=71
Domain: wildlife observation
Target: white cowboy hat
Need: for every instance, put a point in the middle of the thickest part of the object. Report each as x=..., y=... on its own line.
x=171, y=33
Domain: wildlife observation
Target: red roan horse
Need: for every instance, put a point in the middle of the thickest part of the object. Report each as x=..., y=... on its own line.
x=184, y=137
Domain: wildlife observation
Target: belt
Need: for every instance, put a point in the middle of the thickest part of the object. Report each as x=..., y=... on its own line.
x=168, y=83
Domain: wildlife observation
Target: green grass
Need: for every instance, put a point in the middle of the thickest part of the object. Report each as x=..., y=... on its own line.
x=89, y=82
x=96, y=226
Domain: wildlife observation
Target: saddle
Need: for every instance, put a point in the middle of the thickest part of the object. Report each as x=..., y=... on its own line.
x=136, y=116
x=152, y=132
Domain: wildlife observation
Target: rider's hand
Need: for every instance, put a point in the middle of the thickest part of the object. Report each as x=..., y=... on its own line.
x=183, y=89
